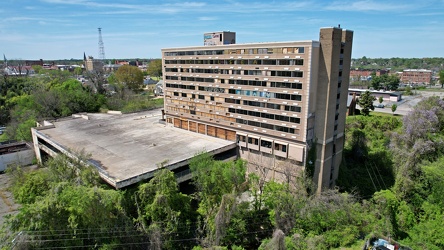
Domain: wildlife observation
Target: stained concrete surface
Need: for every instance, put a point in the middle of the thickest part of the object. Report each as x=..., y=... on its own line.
x=131, y=144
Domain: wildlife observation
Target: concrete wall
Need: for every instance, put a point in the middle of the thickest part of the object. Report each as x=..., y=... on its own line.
x=20, y=158
x=331, y=103
x=268, y=166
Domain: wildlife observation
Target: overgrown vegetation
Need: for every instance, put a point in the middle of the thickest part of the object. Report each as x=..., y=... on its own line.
x=391, y=184
x=55, y=94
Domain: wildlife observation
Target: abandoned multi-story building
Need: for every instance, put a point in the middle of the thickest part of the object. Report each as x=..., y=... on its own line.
x=284, y=103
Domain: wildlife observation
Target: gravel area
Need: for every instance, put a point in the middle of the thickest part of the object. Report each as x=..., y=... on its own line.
x=7, y=204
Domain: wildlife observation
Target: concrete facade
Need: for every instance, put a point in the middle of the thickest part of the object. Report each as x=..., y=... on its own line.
x=15, y=154
x=219, y=38
x=276, y=100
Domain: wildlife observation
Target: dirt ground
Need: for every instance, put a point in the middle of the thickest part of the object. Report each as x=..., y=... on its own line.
x=7, y=205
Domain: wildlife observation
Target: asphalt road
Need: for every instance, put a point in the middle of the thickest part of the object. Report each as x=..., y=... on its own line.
x=407, y=102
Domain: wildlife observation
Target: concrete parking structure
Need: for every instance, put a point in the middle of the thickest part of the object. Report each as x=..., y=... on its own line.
x=128, y=148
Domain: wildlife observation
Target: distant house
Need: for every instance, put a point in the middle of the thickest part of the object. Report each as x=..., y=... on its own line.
x=365, y=75
x=351, y=104
x=93, y=64
x=18, y=70
x=159, y=88
x=149, y=81
x=34, y=62
x=388, y=96
x=416, y=76
x=111, y=67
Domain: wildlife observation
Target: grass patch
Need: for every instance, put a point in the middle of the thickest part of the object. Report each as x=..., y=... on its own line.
x=431, y=90
x=376, y=113
x=141, y=104
x=3, y=137
x=356, y=246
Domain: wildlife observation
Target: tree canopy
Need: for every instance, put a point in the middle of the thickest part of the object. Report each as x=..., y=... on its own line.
x=385, y=81
x=365, y=101
x=391, y=185
x=155, y=68
x=131, y=77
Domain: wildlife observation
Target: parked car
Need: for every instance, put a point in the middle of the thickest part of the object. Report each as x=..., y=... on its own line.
x=380, y=106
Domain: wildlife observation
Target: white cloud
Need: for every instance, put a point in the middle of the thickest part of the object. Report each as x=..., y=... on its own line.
x=207, y=18
x=367, y=5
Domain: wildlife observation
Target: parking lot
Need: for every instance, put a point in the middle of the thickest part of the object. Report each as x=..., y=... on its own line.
x=408, y=102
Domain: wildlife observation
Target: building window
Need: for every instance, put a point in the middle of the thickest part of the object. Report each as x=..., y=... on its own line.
x=212, y=98
x=280, y=147
x=184, y=95
x=202, y=97
x=293, y=108
x=266, y=144
x=176, y=94
x=253, y=141
x=241, y=138
x=262, y=51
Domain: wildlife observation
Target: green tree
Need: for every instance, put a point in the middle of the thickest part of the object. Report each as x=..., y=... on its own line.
x=385, y=81
x=38, y=69
x=97, y=80
x=78, y=71
x=76, y=211
x=391, y=82
x=394, y=107
x=163, y=212
x=419, y=141
x=213, y=181
x=375, y=82
x=131, y=77
x=380, y=99
x=155, y=68
x=365, y=101
x=62, y=203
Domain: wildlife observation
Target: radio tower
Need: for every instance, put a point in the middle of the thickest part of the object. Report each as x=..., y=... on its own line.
x=101, y=46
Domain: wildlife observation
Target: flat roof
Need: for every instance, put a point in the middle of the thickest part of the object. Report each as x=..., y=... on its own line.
x=130, y=147
x=247, y=45
x=396, y=93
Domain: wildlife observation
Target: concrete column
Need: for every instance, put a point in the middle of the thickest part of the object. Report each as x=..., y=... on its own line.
x=35, y=143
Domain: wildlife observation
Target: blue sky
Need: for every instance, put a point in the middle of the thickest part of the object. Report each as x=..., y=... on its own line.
x=64, y=29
